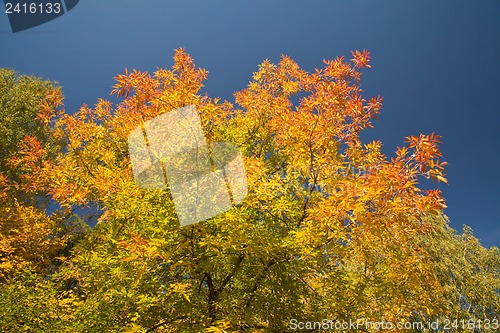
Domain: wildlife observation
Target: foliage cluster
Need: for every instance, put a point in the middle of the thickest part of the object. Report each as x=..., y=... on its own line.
x=331, y=227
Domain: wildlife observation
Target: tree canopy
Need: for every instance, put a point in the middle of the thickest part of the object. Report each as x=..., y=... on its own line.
x=331, y=228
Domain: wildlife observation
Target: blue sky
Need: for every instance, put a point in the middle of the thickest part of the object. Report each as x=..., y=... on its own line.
x=436, y=63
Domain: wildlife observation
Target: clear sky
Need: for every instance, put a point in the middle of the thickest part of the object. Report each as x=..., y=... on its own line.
x=436, y=63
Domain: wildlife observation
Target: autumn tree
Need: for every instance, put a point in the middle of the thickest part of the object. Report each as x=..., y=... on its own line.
x=29, y=236
x=21, y=99
x=331, y=228
x=34, y=232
